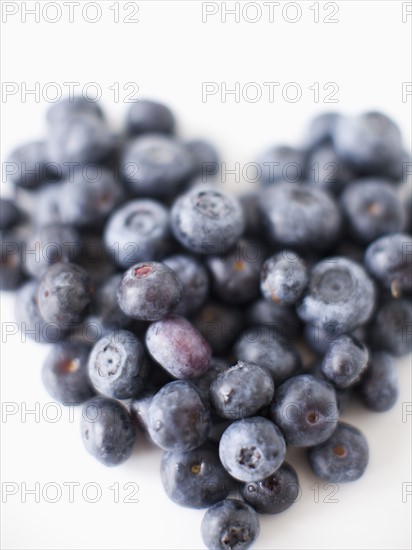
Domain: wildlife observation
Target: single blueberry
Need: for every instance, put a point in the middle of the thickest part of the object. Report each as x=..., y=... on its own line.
x=345, y=361
x=379, y=387
x=390, y=330
x=284, y=278
x=146, y=116
x=282, y=163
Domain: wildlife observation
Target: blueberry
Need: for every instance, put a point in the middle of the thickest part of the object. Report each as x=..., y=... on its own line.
x=64, y=373
x=220, y=325
x=379, y=387
x=281, y=163
x=327, y=171
x=241, y=390
x=48, y=207
x=300, y=216
x=138, y=231
x=264, y=346
x=283, y=319
x=76, y=105
x=106, y=306
x=321, y=129
x=178, y=347
x=236, y=275
x=194, y=279
x=306, y=409
x=389, y=260
x=89, y=197
x=29, y=166
x=149, y=291
x=320, y=339
x=205, y=158
x=205, y=220
x=343, y=457
x=10, y=214
x=29, y=319
x=178, y=419
x=107, y=431
x=370, y=142
x=195, y=479
x=51, y=244
x=64, y=294
x=275, y=493
x=391, y=327
x=340, y=294
x=372, y=209
x=345, y=361
x=284, y=278
x=156, y=165
x=252, y=449
x=11, y=265
x=118, y=365
x=145, y=116
x=230, y=524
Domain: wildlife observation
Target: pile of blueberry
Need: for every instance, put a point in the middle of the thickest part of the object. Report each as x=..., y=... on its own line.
x=181, y=311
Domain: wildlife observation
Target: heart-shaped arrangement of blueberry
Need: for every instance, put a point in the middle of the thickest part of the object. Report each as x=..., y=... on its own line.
x=159, y=289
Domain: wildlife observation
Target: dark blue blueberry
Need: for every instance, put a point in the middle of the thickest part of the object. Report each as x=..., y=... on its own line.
x=253, y=218
x=283, y=319
x=206, y=220
x=340, y=295
x=389, y=260
x=306, y=409
x=372, y=209
x=149, y=291
x=275, y=493
x=65, y=375
x=138, y=231
x=281, y=163
x=29, y=319
x=106, y=306
x=391, y=329
x=220, y=325
x=47, y=206
x=236, y=275
x=284, y=278
x=178, y=347
x=10, y=214
x=146, y=116
x=178, y=419
x=252, y=449
x=345, y=361
x=241, y=390
x=370, y=142
x=195, y=282
x=29, y=166
x=64, y=295
x=321, y=129
x=343, y=457
x=195, y=479
x=107, y=431
x=69, y=106
x=79, y=139
x=11, y=264
x=327, y=171
x=205, y=158
x=118, y=365
x=379, y=387
x=156, y=165
x=230, y=524
x=89, y=197
x=50, y=244
x=299, y=216
x=264, y=346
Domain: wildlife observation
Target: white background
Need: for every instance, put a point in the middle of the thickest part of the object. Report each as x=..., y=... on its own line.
x=169, y=53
